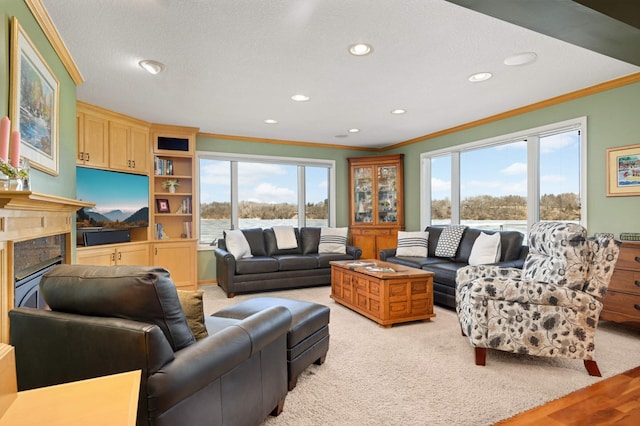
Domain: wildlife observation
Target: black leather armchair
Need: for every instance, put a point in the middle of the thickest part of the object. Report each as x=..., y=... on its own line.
x=108, y=320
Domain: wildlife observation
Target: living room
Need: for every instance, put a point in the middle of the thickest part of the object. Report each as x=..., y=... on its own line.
x=610, y=106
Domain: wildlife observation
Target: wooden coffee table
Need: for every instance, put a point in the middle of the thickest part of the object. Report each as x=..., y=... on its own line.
x=385, y=292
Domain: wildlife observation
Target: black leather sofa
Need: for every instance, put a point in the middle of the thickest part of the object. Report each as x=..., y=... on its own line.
x=108, y=320
x=512, y=254
x=271, y=268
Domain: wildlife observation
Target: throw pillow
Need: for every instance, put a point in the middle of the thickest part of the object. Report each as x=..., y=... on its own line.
x=413, y=244
x=333, y=240
x=449, y=240
x=285, y=237
x=237, y=244
x=486, y=249
x=191, y=302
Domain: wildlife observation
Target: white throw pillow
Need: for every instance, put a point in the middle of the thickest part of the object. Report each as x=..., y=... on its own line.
x=413, y=244
x=333, y=240
x=449, y=240
x=237, y=244
x=486, y=249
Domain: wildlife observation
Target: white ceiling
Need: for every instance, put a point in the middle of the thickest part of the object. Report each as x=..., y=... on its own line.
x=233, y=63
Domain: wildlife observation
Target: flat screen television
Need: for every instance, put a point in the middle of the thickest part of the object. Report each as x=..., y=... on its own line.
x=121, y=199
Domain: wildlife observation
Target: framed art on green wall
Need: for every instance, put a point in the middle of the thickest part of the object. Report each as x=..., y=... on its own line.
x=34, y=102
x=623, y=171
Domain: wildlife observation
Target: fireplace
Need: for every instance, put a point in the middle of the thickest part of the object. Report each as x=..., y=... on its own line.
x=32, y=258
x=25, y=218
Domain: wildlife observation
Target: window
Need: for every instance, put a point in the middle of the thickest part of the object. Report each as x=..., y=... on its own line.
x=441, y=190
x=508, y=182
x=239, y=192
x=493, y=186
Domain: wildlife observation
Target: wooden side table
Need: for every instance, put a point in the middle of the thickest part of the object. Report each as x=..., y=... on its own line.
x=108, y=401
x=622, y=301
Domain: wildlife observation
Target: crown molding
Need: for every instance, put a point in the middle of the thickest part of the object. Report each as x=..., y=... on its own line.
x=607, y=85
x=285, y=142
x=50, y=31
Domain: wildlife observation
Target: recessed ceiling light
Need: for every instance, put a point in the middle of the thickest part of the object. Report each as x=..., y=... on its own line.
x=354, y=130
x=300, y=98
x=360, y=49
x=398, y=111
x=152, y=67
x=271, y=121
x=521, y=59
x=480, y=76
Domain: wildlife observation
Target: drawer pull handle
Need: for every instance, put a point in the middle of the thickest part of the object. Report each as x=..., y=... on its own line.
x=637, y=307
x=638, y=259
x=637, y=283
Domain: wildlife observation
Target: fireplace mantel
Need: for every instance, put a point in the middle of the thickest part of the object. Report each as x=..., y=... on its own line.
x=27, y=200
x=25, y=215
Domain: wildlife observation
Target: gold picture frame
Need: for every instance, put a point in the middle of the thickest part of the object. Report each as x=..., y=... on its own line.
x=34, y=102
x=623, y=171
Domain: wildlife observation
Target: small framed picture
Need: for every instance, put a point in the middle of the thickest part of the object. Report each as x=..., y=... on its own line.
x=163, y=205
x=623, y=171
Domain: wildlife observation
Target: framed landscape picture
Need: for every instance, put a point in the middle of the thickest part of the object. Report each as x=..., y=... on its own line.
x=34, y=102
x=623, y=171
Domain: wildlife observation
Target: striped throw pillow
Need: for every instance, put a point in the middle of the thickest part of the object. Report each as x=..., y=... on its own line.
x=333, y=240
x=413, y=244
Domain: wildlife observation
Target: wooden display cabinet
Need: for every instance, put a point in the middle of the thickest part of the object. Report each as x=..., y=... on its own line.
x=376, y=202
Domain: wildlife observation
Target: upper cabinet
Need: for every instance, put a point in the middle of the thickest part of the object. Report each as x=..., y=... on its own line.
x=93, y=140
x=109, y=140
x=129, y=148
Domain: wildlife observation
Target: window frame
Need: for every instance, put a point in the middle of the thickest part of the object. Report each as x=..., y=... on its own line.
x=300, y=162
x=532, y=137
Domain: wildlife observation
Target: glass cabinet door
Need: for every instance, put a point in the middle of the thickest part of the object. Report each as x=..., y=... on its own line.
x=362, y=194
x=387, y=194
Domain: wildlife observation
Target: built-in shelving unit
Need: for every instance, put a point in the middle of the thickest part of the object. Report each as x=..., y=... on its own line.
x=172, y=221
x=112, y=141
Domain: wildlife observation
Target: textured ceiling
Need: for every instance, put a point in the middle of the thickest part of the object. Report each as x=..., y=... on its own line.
x=233, y=63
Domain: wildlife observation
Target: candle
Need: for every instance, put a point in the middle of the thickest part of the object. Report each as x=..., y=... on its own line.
x=15, y=148
x=4, y=138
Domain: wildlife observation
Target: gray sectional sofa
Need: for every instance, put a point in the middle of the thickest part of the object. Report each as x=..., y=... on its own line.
x=512, y=254
x=271, y=268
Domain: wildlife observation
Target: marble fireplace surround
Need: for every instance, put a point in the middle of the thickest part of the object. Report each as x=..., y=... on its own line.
x=26, y=215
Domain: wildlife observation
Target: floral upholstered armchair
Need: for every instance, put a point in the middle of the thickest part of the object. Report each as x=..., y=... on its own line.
x=550, y=307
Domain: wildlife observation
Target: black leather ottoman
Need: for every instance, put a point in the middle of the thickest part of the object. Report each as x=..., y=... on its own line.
x=308, y=337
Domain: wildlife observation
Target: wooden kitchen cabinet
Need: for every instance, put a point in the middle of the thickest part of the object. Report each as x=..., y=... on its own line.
x=376, y=202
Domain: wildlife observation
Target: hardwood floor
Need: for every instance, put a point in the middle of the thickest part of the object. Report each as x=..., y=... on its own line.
x=613, y=401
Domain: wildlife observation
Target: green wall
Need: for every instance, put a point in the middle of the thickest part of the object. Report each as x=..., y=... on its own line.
x=612, y=120
x=65, y=183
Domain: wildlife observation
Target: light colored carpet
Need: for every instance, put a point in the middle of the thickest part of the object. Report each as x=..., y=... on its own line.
x=423, y=373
